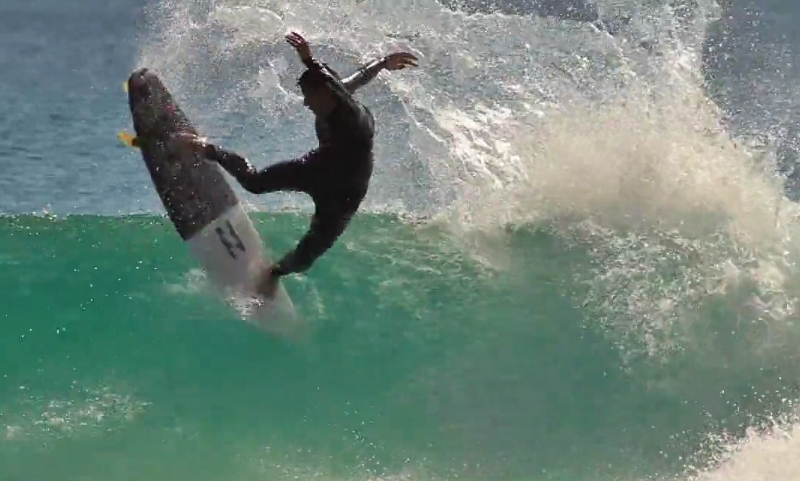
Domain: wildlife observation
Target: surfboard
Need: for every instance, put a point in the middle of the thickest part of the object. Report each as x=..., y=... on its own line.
x=202, y=206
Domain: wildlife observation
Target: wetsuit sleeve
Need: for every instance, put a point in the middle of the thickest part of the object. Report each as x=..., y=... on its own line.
x=364, y=75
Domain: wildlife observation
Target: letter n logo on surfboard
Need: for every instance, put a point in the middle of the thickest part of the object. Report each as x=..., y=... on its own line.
x=230, y=239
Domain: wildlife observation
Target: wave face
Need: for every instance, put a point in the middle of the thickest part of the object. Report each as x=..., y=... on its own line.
x=586, y=355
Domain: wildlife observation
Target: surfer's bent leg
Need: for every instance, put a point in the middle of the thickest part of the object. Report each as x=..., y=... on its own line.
x=331, y=218
x=283, y=176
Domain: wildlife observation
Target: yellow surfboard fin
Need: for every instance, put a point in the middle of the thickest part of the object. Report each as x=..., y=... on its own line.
x=128, y=139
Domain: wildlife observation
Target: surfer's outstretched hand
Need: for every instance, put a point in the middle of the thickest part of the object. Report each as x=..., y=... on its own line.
x=300, y=44
x=400, y=60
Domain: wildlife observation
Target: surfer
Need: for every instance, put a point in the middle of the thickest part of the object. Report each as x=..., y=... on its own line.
x=336, y=174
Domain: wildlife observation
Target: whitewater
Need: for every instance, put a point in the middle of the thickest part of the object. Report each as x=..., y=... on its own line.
x=577, y=260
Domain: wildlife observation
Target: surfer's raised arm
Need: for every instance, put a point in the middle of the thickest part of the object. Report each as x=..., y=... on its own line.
x=344, y=88
x=365, y=74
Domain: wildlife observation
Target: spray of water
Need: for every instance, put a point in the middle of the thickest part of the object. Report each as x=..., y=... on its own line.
x=516, y=121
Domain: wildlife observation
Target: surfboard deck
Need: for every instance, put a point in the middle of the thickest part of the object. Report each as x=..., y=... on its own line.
x=203, y=208
x=231, y=252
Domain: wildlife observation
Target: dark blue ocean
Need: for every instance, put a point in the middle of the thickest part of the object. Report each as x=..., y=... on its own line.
x=578, y=259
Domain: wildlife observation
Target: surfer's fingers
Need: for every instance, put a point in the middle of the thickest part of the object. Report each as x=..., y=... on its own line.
x=295, y=39
x=404, y=59
x=296, y=44
x=407, y=63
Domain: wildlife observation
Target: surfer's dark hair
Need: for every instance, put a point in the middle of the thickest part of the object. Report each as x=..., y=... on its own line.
x=314, y=78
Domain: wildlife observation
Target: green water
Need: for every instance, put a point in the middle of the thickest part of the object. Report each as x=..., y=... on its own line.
x=119, y=363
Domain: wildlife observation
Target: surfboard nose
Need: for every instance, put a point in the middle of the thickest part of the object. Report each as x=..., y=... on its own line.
x=148, y=98
x=142, y=84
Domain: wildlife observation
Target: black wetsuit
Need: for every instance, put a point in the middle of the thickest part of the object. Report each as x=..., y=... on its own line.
x=336, y=175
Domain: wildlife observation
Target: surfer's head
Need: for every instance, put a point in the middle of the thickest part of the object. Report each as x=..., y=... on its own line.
x=317, y=95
